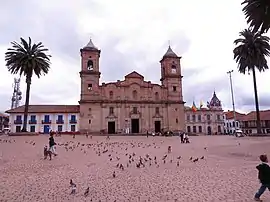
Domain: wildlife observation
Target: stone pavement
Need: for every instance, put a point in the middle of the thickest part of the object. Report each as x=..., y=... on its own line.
x=227, y=172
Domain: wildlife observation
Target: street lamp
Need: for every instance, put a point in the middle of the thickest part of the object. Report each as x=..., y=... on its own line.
x=234, y=116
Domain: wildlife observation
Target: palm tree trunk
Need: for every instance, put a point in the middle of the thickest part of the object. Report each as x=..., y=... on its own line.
x=26, y=105
x=256, y=102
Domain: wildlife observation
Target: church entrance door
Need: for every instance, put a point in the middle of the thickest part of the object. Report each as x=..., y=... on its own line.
x=157, y=126
x=111, y=127
x=135, y=126
x=209, y=130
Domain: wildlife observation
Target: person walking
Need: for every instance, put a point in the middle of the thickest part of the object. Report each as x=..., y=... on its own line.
x=52, y=144
x=264, y=177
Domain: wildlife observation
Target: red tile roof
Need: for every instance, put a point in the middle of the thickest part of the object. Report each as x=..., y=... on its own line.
x=3, y=115
x=47, y=109
x=229, y=115
x=264, y=115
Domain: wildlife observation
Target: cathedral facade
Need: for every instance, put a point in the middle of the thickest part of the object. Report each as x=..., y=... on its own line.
x=131, y=105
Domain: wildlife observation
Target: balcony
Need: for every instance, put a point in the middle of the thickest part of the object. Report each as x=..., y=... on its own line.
x=17, y=121
x=72, y=121
x=32, y=121
x=59, y=121
x=46, y=122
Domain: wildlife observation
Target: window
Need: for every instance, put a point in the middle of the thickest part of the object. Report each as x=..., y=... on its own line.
x=90, y=110
x=173, y=69
x=59, y=128
x=193, y=117
x=60, y=118
x=111, y=110
x=237, y=124
x=208, y=117
x=32, y=129
x=194, y=129
x=135, y=95
x=90, y=86
x=199, y=117
x=111, y=95
x=200, y=129
x=233, y=123
x=218, y=117
x=89, y=121
x=47, y=118
x=156, y=96
x=157, y=110
x=73, y=128
x=90, y=65
x=18, y=117
x=188, y=129
x=188, y=118
x=176, y=120
x=135, y=110
x=73, y=118
x=33, y=117
x=174, y=88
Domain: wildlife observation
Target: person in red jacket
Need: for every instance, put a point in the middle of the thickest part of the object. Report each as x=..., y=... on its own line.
x=264, y=177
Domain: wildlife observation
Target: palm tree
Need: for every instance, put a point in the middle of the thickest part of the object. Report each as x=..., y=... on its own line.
x=27, y=59
x=257, y=13
x=250, y=54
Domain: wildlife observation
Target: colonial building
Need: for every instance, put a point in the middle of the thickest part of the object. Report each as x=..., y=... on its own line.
x=43, y=118
x=248, y=122
x=231, y=125
x=132, y=105
x=205, y=120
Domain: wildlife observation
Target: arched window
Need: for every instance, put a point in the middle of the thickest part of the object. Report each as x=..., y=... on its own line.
x=156, y=96
x=173, y=68
x=111, y=95
x=90, y=65
x=135, y=95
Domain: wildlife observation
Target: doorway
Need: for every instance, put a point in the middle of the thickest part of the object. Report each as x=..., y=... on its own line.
x=135, y=126
x=18, y=129
x=157, y=126
x=111, y=127
x=209, y=130
x=46, y=129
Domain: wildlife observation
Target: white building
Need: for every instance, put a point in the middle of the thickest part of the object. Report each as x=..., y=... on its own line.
x=43, y=118
x=230, y=126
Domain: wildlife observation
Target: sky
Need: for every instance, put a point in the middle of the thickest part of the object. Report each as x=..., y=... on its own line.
x=133, y=36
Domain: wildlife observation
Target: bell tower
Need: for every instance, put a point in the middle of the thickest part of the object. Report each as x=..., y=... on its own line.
x=171, y=77
x=89, y=73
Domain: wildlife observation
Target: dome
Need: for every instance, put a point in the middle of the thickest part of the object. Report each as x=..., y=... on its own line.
x=215, y=102
x=90, y=46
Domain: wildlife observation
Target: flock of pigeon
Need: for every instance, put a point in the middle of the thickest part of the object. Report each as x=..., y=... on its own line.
x=113, y=150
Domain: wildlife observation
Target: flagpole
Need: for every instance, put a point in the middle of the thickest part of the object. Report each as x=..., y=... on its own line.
x=233, y=105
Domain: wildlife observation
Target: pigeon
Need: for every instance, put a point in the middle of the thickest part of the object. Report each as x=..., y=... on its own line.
x=113, y=174
x=190, y=158
x=202, y=157
x=179, y=157
x=195, y=160
x=86, y=193
x=177, y=164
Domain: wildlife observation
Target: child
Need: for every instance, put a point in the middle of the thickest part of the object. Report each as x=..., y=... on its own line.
x=264, y=177
x=73, y=187
x=169, y=149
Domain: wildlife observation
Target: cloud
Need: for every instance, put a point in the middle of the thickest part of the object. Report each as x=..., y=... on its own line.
x=132, y=35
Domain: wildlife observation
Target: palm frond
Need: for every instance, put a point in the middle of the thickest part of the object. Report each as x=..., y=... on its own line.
x=251, y=51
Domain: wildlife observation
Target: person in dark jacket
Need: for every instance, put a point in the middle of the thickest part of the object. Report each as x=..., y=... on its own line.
x=52, y=144
x=264, y=177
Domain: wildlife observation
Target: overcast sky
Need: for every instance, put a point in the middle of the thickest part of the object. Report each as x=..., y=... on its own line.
x=132, y=35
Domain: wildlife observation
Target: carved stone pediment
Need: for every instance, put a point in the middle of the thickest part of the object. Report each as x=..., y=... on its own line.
x=157, y=116
x=111, y=116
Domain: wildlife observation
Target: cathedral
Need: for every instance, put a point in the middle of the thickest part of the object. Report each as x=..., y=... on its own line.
x=131, y=105
x=127, y=106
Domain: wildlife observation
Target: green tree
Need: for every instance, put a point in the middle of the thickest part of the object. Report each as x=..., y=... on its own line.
x=26, y=59
x=250, y=54
x=257, y=14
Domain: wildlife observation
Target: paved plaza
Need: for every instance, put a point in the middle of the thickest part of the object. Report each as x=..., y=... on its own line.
x=226, y=172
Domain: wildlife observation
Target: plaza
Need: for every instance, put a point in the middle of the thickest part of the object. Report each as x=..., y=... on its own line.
x=226, y=173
